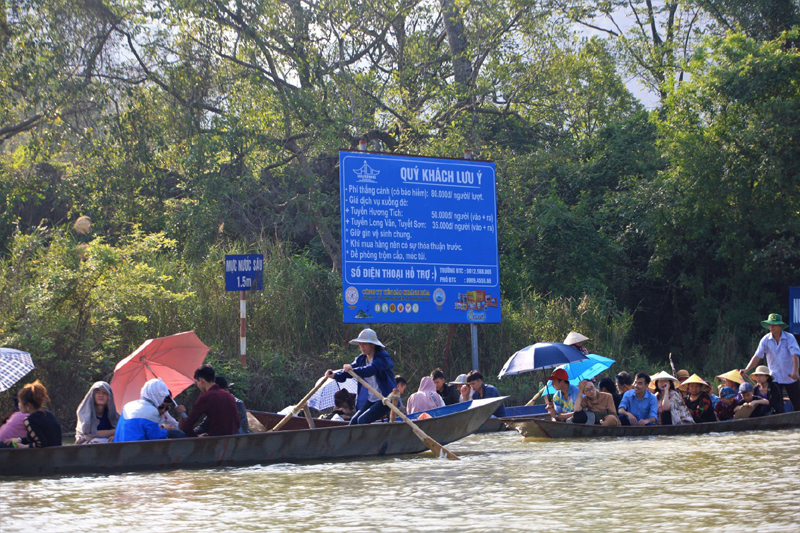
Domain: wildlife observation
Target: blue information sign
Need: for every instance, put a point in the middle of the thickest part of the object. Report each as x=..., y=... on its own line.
x=244, y=272
x=794, y=310
x=419, y=239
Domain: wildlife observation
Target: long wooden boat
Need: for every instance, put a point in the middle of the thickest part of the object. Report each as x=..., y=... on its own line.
x=516, y=412
x=268, y=420
x=542, y=428
x=255, y=448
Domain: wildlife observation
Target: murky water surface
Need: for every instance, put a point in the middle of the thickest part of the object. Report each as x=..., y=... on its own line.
x=724, y=482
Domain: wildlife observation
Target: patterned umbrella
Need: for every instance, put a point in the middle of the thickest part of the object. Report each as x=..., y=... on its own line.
x=323, y=398
x=14, y=364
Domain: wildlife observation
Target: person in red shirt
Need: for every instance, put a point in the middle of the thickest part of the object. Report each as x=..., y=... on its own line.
x=217, y=404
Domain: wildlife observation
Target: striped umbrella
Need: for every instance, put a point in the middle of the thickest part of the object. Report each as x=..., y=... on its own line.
x=14, y=364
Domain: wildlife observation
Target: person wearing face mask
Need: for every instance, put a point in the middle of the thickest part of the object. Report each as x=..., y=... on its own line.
x=140, y=418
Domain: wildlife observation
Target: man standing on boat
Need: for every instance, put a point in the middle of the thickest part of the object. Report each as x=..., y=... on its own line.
x=449, y=393
x=217, y=404
x=639, y=406
x=376, y=367
x=563, y=405
x=783, y=357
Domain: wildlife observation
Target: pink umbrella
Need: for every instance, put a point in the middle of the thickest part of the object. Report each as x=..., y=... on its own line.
x=173, y=359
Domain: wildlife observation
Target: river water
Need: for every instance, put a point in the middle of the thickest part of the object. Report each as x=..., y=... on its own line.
x=717, y=482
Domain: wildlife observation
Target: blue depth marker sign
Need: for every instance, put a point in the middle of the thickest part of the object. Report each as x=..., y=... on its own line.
x=794, y=310
x=244, y=272
x=419, y=239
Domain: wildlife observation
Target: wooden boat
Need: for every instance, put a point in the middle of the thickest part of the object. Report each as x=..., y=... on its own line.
x=517, y=412
x=268, y=420
x=255, y=448
x=542, y=428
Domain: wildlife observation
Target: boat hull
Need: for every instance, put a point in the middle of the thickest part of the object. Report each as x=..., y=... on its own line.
x=268, y=420
x=240, y=450
x=541, y=428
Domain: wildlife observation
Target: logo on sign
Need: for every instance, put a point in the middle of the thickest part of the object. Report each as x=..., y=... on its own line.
x=438, y=296
x=366, y=174
x=351, y=295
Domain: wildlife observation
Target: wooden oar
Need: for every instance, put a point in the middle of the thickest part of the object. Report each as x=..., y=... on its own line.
x=434, y=446
x=299, y=407
x=538, y=395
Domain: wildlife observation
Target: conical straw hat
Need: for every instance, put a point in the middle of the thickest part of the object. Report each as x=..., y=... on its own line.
x=733, y=375
x=694, y=378
x=574, y=338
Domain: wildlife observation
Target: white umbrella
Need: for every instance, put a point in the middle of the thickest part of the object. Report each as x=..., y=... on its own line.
x=14, y=364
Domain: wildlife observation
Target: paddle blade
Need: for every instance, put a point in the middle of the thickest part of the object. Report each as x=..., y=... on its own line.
x=440, y=450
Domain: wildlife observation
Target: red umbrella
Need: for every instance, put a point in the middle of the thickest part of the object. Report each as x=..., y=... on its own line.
x=173, y=359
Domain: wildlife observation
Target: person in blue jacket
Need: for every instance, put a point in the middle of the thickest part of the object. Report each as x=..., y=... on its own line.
x=376, y=367
x=140, y=418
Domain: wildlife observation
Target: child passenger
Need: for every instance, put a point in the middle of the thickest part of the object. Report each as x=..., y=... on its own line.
x=727, y=405
x=749, y=403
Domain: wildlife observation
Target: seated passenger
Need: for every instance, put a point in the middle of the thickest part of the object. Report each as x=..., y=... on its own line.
x=217, y=404
x=698, y=399
x=726, y=407
x=672, y=409
x=750, y=406
x=593, y=406
x=624, y=383
x=731, y=379
x=14, y=424
x=449, y=393
x=607, y=385
x=344, y=406
x=400, y=389
x=141, y=419
x=638, y=406
x=480, y=390
x=768, y=390
x=562, y=407
x=426, y=398
x=241, y=408
x=97, y=415
x=42, y=429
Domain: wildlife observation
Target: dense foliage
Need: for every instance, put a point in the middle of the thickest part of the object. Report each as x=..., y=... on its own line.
x=190, y=129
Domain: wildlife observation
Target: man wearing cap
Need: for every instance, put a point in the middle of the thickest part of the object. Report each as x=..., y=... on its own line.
x=476, y=389
x=563, y=405
x=449, y=393
x=783, y=356
x=376, y=367
x=639, y=406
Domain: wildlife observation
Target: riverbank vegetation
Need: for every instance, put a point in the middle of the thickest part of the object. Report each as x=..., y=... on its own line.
x=190, y=130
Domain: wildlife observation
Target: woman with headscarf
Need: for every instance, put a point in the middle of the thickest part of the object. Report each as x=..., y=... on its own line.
x=426, y=398
x=97, y=415
x=141, y=419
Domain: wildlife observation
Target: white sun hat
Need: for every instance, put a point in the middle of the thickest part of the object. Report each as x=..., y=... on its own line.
x=367, y=335
x=574, y=338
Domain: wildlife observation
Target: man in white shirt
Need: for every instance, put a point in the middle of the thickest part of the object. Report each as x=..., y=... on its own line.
x=783, y=357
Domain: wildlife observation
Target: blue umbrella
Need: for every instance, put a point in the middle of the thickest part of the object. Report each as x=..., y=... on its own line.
x=586, y=369
x=539, y=356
